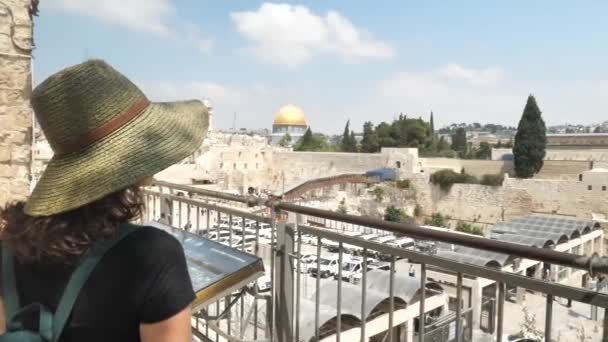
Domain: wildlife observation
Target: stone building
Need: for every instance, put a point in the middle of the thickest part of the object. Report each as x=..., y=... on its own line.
x=289, y=120
x=16, y=43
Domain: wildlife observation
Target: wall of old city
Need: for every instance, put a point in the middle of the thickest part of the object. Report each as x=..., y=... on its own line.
x=516, y=197
x=473, y=167
x=596, y=155
x=15, y=91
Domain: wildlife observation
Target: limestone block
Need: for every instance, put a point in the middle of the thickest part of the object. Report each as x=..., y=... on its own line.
x=17, y=137
x=5, y=171
x=21, y=154
x=10, y=97
x=5, y=154
x=15, y=73
x=21, y=115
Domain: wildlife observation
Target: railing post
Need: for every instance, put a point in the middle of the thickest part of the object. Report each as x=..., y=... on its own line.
x=284, y=283
x=166, y=209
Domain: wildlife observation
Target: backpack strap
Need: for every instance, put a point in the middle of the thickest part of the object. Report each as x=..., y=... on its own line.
x=80, y=276
x=9, y=285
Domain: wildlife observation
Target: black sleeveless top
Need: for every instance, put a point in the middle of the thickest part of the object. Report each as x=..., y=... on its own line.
x=142, y=279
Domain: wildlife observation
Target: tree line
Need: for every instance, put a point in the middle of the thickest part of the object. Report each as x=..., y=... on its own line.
x=528, y=146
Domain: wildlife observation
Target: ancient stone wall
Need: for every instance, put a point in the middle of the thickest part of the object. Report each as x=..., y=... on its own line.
x=297, y=167
x=15, y=91
x=473, y=167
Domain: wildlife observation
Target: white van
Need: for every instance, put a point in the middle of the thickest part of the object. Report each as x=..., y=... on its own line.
x=328, y=266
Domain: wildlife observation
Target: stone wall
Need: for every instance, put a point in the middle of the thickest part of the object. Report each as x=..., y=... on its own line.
x=298, y=167
x=517, y=197
x=15, y=91
x=473, y=167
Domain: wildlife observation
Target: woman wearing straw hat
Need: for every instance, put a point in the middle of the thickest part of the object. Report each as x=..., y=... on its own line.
x=69, y=254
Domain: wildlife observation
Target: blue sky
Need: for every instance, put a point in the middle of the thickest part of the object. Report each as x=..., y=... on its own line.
x=473, y=61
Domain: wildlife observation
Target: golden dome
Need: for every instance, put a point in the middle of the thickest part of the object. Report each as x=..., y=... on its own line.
x=290, y=116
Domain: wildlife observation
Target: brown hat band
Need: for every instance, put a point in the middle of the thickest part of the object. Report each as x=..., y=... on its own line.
x=104, y=130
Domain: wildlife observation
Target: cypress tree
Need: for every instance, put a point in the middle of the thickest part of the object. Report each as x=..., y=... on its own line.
x=530, y=141
x=432, y=132
x=369, y=143
x=353, y=142
x=348, y=143
x=459, y=140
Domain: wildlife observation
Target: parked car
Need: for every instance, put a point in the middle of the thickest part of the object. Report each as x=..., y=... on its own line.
x=403, y=242
x=306, y=261
x=376, y=265
x=309, y=239
x=238, y=241
x=213, y=234
x=264, y=283
x=352, y=267
x=519, y=338
x=265, y=230
x=328, y=266
x=236, y=220
x=381, y=239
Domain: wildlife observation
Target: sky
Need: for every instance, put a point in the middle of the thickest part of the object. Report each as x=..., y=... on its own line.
x=473, y=61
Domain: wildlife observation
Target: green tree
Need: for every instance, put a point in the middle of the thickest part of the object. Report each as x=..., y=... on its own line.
x=393, y=214
x=353, y=142
x=484, y=151
x=437, y=220
x=530, y=141
x=597, y=129
x=432, y=128
x=348, y=143
x=468, y=228
x=369, y=143
x=442, y=145
x=459, y=141
x=285, y=140
x=383, y=131
x=313, y=143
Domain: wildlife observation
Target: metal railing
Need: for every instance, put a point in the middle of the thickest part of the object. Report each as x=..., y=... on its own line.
x=287, y=313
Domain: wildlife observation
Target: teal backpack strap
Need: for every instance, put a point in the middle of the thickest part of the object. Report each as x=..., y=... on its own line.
x=9, y=285
x=80, y=276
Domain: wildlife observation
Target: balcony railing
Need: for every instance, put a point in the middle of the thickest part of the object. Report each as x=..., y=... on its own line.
x=409, y=297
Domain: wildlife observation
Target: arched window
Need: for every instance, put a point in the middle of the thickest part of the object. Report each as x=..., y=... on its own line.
x=398, y=164
x=580, y=177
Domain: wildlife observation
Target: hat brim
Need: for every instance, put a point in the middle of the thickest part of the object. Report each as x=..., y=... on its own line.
x=162, y=135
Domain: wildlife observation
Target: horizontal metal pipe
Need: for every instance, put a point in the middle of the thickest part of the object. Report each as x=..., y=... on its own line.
x=208, y=206
x=595, y=263
x=590, y=263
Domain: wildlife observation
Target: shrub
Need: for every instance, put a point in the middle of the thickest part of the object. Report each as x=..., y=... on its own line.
x=417, y=210
x=492, y=180
x=379, y=193
x=446, y=178
x=395, y=214
x=437, y=220
x=403, y=184
x=469, y=228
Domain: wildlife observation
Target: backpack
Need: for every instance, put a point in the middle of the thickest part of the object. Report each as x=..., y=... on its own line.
x=50, y=325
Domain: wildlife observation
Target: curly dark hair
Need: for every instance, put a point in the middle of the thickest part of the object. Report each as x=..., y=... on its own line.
x=63, y=237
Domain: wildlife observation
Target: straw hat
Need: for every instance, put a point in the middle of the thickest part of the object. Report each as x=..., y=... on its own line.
x=106, y=135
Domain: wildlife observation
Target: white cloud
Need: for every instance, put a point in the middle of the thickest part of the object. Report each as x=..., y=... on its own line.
x=456, y=94
x=291, y=35
x=171, y=91
x=149, y=16
x=482, y=77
